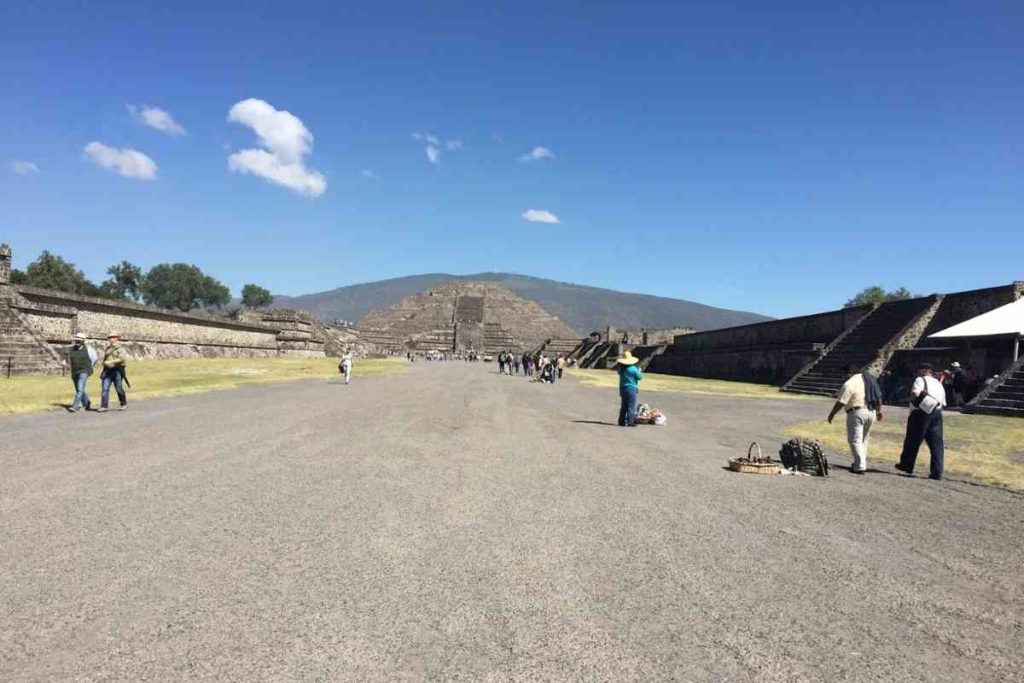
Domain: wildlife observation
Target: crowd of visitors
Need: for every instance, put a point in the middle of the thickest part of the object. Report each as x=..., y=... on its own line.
x=861, y=396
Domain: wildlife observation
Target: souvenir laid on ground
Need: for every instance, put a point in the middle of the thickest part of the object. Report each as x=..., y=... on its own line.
x=804, y=455
x=645, y=415
x=754, y=464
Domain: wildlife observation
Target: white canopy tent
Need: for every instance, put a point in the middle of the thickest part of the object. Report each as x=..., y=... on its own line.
x=1006, y=320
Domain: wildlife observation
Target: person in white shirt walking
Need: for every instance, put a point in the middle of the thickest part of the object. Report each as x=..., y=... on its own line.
x=346, y=366
x=928, y=398
x=861, y=398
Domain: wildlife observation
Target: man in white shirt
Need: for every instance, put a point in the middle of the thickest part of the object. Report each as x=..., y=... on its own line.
x=861, y=413
x=927, y=398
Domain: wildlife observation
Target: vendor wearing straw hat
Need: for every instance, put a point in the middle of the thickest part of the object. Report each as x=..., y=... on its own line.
x=629, y=378
x=113, y=372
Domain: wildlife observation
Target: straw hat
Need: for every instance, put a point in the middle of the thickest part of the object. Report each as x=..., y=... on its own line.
x=955, y=364
x=114, y=335
x=627, y=359
x=81, y=335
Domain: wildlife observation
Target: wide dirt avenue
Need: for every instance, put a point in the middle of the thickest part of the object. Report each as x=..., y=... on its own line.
x=452, y=523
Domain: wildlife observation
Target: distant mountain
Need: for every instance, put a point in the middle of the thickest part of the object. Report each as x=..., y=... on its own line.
x=585, y=308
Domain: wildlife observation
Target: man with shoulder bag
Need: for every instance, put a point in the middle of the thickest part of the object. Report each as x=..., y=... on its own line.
x=927, y=399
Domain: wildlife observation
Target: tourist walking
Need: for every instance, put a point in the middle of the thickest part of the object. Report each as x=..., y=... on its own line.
x=928, y=398
x=346, y=366
x=515, y=363
x=561, y=366
x=82, y=360
x=629, y=379
x=114, y=363
x=861, y=398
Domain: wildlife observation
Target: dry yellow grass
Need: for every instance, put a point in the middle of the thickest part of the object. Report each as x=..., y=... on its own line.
x=32, y=394
x=984, y=448
x=689, y=385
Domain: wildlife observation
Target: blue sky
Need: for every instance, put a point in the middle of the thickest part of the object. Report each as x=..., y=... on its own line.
x=774, y=157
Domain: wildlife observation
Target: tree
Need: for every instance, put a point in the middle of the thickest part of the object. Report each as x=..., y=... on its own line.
x=18, y=277
x=254, y=296
x=182, y=286
x=878, y=295
x=125, y=282
x=50, y=271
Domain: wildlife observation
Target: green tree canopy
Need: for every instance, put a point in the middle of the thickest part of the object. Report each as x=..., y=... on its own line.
x=878, y=295
x=50, y=271
x=182, y=286
x=125, y=282
x=254, y=296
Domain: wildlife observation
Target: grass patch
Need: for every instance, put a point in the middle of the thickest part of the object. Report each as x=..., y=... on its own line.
x=688, y=385
x=980, y=447
x=36, y=393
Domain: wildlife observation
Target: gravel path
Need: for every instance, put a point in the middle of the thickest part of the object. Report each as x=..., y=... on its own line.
x=456, y=524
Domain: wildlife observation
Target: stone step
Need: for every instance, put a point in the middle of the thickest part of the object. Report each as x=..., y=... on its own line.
x=1001, y=403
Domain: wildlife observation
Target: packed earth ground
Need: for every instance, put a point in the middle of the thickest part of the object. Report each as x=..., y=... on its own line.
x=453, y=523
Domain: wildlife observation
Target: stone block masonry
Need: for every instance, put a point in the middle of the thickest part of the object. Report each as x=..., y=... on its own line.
x=38, y=324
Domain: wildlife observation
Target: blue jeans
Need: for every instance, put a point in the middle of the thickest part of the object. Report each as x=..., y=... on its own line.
x=81, y=398
x=627, y=407
x=106, y=379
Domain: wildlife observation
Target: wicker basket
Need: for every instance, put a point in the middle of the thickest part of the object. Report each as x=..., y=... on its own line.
x=754, y=464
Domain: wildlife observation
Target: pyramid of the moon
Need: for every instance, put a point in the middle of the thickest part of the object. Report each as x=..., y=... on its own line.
x=465, y=315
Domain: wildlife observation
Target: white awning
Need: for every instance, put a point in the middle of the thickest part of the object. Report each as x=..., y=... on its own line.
x=1008, y=319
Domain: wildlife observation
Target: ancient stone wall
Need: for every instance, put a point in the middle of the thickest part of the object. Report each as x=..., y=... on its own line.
x=820, y=327
x=148, y=332
x=645, y=336
x=771, y=364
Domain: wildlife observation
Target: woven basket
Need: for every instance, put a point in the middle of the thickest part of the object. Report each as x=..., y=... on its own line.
x=754, y=464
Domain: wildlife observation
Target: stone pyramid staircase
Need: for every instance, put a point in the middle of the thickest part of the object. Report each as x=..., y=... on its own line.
x=497, y=339
x=21, y=350
x=874, y=335
x=1005, y=397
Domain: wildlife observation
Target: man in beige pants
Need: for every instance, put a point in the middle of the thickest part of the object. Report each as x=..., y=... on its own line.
x=861, y=413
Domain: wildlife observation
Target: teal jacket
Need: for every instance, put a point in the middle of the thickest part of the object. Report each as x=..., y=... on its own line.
x=629, y=375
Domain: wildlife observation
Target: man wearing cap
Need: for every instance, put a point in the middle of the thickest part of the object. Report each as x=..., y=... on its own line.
x=861, y=398
x=927, y=398
x=82, y=360
x=958, y=382
x=113, y=372
x=629, y=378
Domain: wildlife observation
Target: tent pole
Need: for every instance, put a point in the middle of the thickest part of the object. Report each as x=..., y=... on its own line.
x=1016, y=348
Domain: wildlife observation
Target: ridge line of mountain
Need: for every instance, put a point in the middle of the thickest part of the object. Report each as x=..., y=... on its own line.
x=586, y=308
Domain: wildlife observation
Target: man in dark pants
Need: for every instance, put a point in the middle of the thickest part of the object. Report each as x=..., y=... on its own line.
x=928, y=398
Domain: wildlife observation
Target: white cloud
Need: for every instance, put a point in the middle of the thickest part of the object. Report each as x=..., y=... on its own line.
x=156, y=118
x=537, y=154
x=130, y=163
x=367, y=173
x=435, y=145
x=21, y=167
x=285, y=141
x=540, y=216
x=428, y=138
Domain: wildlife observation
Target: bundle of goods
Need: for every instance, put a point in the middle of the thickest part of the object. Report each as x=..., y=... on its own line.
x=754, y=464
x=804, y=455
x=645, y=415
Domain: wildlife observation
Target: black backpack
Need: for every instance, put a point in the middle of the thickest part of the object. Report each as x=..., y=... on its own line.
x=804, y=455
